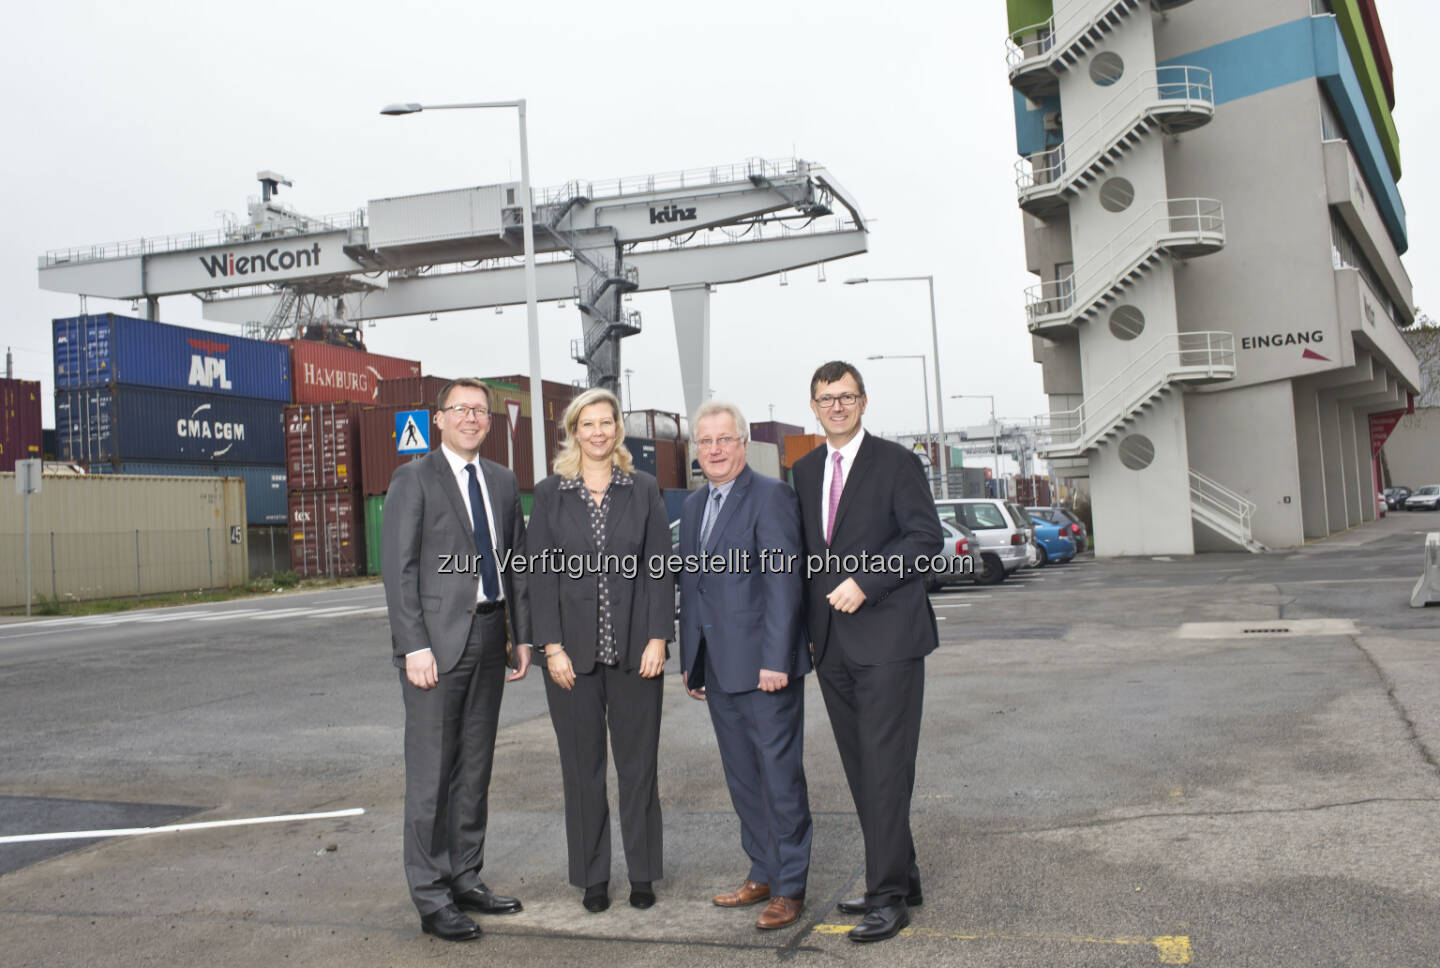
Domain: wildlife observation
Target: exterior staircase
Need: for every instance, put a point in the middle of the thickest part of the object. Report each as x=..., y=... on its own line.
x=1167, y=365
x=1171, y=99
x=1225, y=512
x=1177, y=227
x=1037, y=56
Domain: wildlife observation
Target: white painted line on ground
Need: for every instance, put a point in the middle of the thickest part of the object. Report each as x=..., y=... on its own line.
x=335, y=612
x=176, y=827
x=222, y=616
x=953, y=605
x=281, y=613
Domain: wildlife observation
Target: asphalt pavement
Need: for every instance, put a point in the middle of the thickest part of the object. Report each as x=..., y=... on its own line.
x=1227, y=760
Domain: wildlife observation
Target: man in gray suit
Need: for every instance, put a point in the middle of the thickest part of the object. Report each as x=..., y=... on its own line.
x=743, y=649
x=447, y=518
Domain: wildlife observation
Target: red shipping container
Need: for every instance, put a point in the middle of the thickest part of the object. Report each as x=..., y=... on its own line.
x=322, y=446
x=554, y=396
x=670, y=463
x=422, y=391
x=20, y=432
x=322, y=373
x=378, y=458
x=327, y=534
x=798, y=445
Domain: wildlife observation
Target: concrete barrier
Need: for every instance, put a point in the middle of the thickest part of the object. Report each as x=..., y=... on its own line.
x=1427, y=589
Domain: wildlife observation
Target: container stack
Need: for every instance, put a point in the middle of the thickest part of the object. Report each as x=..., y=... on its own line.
x=554, y=397
x=133, y=396
x=20, y=433
x=335, y=386
x=667, y=433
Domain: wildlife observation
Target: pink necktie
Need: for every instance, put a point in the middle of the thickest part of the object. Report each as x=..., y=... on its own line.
x=837, y=481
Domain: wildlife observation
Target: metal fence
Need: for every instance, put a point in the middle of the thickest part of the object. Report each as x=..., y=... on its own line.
x=79, y=566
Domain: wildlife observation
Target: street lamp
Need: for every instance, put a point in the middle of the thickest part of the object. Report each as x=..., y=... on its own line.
x=935, y=341
x=532, y=307
x=924, y=386
x=994, y=428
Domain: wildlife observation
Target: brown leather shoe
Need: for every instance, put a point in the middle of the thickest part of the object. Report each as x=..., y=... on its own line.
x=751, y=892
x=781, y=912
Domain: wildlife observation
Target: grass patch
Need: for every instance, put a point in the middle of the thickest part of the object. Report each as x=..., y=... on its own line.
x=266, y=585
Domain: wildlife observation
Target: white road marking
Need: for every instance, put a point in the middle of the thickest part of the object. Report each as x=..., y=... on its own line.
x=176, y=827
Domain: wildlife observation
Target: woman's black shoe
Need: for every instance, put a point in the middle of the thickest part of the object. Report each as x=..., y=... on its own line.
x=597, y=897
x=641, y=895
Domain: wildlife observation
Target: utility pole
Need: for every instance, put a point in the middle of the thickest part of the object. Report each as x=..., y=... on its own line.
x=629, y=399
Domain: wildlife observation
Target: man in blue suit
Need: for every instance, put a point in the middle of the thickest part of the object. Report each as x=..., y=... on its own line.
x=743, y=650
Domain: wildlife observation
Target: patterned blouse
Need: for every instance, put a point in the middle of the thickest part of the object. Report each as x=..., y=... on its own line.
x=607, y=651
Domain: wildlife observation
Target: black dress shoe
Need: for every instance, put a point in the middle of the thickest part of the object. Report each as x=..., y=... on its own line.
x=448, y=924
x=881, y=923
x=597, y=897
x=642, y=895
x=481, y=898
x=857, y=905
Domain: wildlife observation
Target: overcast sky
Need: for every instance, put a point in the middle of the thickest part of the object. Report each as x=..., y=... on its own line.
x=151, y=118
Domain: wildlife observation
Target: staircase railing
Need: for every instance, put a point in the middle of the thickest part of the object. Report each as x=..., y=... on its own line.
x=1229, y=506
x=1171, y=219
x=1043, y=41
x=1209, y=355
x=1174, y=86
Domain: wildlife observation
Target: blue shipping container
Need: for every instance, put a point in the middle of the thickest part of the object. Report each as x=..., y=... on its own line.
x=642, y=452
x=136, y=424
x=106, y=349
x=265, y=501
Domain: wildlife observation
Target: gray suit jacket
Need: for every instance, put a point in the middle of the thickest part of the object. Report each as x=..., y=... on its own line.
x=427, y=553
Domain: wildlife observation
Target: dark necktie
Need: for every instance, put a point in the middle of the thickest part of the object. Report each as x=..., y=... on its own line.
x=489, y=577
x=711, y=513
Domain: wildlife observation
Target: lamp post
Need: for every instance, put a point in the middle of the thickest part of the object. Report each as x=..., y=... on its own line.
x=924, y=384
x=532, y=308
x=994, y=428
x=935, y=342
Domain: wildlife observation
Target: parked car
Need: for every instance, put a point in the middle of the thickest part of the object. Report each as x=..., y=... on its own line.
x=1068, y=521
x=1425, y=499
x=962, y=546
x=1395, y=497
x=1055, y=546
x=1004, y=536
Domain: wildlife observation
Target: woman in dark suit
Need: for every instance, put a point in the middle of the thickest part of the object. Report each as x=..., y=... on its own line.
x=602, y=620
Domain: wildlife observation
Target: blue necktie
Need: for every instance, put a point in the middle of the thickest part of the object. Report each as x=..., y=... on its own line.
x=489, y=578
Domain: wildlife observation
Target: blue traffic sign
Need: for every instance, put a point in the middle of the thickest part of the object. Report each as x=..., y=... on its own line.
x=412, y=432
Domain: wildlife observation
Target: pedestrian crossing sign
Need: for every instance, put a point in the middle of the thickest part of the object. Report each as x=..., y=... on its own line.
x=412, y=432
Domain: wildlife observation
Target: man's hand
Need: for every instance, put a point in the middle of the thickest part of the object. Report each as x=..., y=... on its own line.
x=694, y=693
x=771, y=681
x=522, y=663
x=847, y=597
x=652, y=660
x=420, y=669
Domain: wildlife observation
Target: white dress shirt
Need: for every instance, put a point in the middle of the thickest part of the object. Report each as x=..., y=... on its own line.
x=462, y=478
x=847, y=461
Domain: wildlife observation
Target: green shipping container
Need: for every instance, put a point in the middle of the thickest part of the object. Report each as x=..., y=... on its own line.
x=374, y=516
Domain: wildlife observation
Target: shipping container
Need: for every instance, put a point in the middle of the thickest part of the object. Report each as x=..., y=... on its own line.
x=379, y=453
x=322, y=446
x=374, y=521
x=763, y=457
x=555, y=396
x=674, y=502
x=642, y=451
x=798, y=445
x=106, y=349
x=672, y=460
x=110, y=536
x=326, y=534
x=422, y=391
x=264, y=485
x=140, y=424
x=20, y=435
x=773, y=431
x=322, y=373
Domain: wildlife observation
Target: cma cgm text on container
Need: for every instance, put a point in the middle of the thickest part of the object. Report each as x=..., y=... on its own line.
x=137, y=423
x=322, y=373
x=105, y=350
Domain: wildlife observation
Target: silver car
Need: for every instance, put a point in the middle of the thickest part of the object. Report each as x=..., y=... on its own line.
x=1004, y=535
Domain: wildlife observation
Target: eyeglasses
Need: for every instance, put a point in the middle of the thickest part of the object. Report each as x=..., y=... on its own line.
x=724, y=443
x=460, y=410
x=829, y=400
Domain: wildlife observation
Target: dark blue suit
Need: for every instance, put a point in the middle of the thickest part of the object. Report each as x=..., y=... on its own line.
x=733, y=623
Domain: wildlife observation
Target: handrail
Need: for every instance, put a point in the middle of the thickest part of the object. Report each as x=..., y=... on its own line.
x=1017, y=53
x=237, y=234
x=1173, y=85
x=1181, y=216
x=1230, y=504
x=685, y=178
x=1213, y=350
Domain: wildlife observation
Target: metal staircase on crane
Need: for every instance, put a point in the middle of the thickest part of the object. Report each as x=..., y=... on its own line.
x=1170, y=99
x=1037, y=56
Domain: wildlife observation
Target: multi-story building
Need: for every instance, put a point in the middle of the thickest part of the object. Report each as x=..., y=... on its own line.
x=1210, y=202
